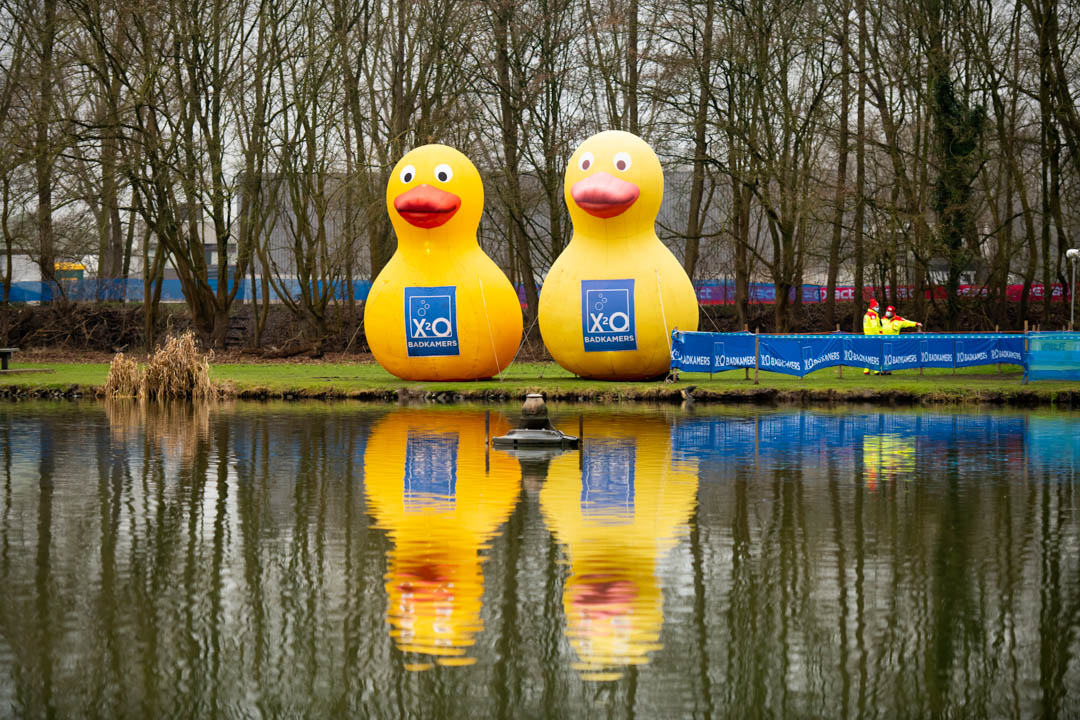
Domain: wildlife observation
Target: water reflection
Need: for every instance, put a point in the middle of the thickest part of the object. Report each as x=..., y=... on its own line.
x=888, y=456
x=441, y=497
x=617, y=513
x=288, y=560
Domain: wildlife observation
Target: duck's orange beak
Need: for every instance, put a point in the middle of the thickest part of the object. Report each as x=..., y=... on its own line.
x=603, y=195
x=426, y=206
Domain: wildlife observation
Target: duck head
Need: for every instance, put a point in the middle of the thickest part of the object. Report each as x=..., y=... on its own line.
x=613, y=177
x=435, y=195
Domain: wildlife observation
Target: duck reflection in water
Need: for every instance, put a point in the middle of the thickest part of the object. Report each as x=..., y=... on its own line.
x=617, y=517
x=427, y=486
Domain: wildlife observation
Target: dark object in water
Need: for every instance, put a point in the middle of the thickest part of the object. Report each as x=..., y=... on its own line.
x=535, y=429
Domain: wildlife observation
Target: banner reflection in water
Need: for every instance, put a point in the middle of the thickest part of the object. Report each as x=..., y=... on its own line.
x=429, y=486
x=617, y=515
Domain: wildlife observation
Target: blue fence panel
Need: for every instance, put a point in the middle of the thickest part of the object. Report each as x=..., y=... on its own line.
x=973, y=350
x=779, y=354
x=1009, y=349
x=820, y=351
x=711, y=352
x=863, y=351
x=1053, y=356
x=900, y=353
x=802, y=354
x=937, y=351
x=133, y=290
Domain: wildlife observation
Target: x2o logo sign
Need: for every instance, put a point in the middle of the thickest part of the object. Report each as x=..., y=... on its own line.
x=431, y=321
x=607, y=315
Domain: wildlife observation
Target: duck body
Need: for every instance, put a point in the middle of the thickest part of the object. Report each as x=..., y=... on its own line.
x=612, y=298
x=441, y=309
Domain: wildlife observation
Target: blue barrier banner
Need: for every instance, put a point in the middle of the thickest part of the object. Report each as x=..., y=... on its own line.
x=1053, y=356
x=974, y=351
x=132, y=290
x=820, y=351
x=937, y=351
x=779, y=354
x=863, y=351
x=803, y=354
x=900, y=353
x=1009, y=349
x=711, y=352
x=800, y=354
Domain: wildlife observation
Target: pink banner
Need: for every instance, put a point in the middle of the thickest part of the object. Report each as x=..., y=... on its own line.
x=1013, y=293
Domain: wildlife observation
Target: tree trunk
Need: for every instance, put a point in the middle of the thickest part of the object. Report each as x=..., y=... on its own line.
x=860, y=170
x=632, y=68
x=43, y=151
x=510, y=112
x=841, y=173
x=694, y=220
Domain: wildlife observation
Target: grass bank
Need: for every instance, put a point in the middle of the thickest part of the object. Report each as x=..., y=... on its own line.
x=368, y=381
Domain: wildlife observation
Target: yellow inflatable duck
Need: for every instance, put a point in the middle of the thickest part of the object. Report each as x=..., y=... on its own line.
x=612, y=298
x=441, y=309
x=618, y=516
x=429, y=487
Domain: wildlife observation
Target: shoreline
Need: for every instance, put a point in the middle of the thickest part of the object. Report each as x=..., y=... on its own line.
x=337, y=380
x=670, y=394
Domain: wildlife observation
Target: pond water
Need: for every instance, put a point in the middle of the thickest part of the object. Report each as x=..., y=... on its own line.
x=348, y=560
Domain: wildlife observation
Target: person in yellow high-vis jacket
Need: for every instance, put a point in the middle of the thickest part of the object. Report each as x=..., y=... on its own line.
x=892, y=323
x=871, y=325
x=871, y=321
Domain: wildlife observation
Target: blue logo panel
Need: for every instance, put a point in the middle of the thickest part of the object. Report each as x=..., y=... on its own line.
x=607, y=315
x=431, y=321
x=430, y=471
x=607, y=481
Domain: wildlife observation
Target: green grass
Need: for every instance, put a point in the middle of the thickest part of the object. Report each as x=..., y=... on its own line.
x=354, y=379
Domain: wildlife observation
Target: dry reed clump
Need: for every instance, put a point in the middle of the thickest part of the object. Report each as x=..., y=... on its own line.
x=176, y=370
x=124, y=377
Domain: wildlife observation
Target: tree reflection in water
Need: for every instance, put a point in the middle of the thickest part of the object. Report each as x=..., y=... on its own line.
x=302, y=559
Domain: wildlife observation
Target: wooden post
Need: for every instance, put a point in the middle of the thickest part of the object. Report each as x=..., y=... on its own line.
x=757, y=354
x=996, y=330
x=746, y=328
x=1025, y=380
x=839, y=368
x=487, y=441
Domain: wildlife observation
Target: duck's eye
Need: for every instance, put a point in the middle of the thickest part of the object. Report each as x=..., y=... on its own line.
x=586, y=161
x=407, y=174
x=444, y=172
x=622, y=161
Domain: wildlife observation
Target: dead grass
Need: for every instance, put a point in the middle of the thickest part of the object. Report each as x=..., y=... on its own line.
x=125, y=379
x=176, y=370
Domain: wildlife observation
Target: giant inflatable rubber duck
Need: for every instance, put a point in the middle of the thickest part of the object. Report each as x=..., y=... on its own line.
x=441, y=309
x=618, y=516
x=612, y=298
x=429, y=487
